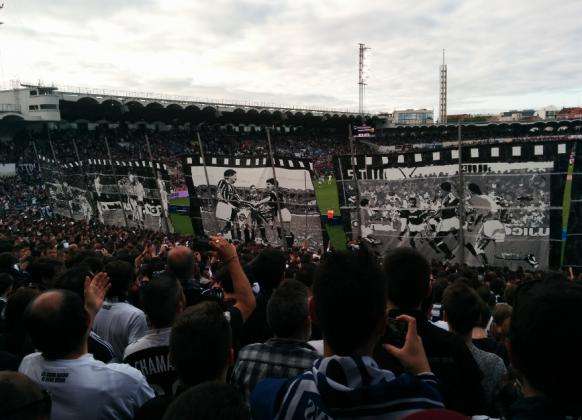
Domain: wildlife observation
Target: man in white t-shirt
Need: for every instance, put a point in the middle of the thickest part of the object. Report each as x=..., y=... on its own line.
x=119, y=322
x=79, y=385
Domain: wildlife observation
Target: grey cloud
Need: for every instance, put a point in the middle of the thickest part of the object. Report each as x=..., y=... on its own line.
x=83, y=10
x=286, y=51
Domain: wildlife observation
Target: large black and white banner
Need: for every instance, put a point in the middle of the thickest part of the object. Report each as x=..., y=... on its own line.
x=121, y=193
x=242, y=199
x=66, y=191
x=132, y=193
x=416, y=199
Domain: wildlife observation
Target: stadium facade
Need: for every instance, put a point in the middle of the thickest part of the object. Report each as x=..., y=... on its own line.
x=36, y=102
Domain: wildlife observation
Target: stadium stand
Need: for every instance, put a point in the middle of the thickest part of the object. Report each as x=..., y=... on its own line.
x=434, y=358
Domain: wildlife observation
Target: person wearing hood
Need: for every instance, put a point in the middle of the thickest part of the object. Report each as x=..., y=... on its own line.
x=349, y=297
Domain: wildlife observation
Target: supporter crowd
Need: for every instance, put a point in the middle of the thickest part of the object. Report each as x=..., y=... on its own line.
x=170, y=146
x=103, y=322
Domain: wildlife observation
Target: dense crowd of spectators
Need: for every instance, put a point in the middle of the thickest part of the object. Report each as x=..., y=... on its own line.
x=103, y=322
x=170, y=146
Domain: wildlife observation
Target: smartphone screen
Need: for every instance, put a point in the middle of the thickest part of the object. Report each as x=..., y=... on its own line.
x=395, y=333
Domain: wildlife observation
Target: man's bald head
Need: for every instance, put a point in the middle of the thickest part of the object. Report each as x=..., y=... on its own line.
x=21, y=398
x=57, y=323
x=181, y=263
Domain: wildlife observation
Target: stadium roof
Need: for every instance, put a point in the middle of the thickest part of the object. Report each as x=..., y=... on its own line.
x=74, y=93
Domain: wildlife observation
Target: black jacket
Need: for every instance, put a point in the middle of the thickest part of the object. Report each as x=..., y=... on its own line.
x=450, y=360
x=539, y=408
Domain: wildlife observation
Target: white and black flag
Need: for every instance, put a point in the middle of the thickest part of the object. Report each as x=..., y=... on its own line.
x=130, y=192
x=67, y=188
x=415, y=199
x=120, y=193
x=242, y=200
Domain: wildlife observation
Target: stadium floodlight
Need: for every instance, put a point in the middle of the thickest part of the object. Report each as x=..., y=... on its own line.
x=361, y=77
x=443, y=92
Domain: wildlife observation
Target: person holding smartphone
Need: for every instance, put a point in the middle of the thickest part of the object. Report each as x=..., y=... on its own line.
x=407, y=275
x=349, y=305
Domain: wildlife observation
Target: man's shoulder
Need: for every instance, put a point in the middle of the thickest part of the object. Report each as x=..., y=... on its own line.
x=30, y=360
x=145, y=347
x=126, y=310
x=123, y=372
x=438, y=337
x=135, y=347
x=275, y=346
x=128, y=307
x=491, y=360
x=253, y=348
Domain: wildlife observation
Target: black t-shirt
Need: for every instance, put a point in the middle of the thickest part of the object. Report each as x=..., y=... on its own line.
x=154, y=363
x=450, y=360
x=256, y=329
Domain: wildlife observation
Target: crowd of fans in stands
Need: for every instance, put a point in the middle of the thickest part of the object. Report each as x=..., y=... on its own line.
x=104, y=322
x=170, y=146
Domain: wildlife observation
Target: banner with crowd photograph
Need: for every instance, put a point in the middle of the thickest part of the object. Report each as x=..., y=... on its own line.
x=510, y=201
x=132, y=193
x=56, y=181
x=249, y=199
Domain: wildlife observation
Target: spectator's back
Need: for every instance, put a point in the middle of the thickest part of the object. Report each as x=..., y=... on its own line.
x=118, y=322
x=408, y=275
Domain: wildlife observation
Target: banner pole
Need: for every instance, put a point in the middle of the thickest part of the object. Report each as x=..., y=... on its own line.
x=114, y=172
x=39, y=166
x=61, y=173
x=461, y=189
x=37, y=158
x=82, y=166
x=566, y=203
x=165, y=214
x=76, y=150
x=341, y=169
x=203, y=156
x=306, y=201
x=276, y=187
x=355, y=176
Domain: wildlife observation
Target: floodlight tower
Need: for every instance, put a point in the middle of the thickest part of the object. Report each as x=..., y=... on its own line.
x=361, y=78
x=443, y=93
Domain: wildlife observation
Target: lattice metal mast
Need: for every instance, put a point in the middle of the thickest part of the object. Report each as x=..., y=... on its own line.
x=361, y=78
x=443, y=93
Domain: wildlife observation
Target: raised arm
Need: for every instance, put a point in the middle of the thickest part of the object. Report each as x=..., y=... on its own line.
x=243, y=293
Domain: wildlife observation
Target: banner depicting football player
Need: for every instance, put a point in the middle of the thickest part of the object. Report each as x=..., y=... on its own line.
x=67, y=189
x=503, y=209
x=132, y=193
x=241, y=199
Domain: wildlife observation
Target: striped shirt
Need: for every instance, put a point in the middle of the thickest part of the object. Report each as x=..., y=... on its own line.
x=226, y=192
x=345, y=387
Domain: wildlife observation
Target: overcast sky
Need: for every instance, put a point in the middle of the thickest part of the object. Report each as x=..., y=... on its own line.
x=501, y=54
